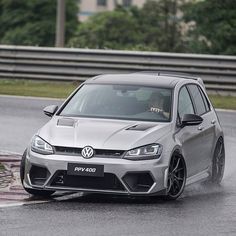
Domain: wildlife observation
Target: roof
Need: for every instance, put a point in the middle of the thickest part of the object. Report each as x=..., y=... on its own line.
x=148, y=78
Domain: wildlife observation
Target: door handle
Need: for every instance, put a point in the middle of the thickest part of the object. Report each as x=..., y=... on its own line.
x=200, y=128
x=213, y=122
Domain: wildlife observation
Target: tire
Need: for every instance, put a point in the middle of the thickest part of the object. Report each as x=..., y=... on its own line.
x=218, y=163
x=176, y=177
x=35, y=192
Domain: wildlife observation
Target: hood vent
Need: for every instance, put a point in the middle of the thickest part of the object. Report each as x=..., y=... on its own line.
x=66, y=122
x=141, y=127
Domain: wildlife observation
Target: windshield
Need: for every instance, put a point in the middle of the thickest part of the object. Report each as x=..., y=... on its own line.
x=120, y=102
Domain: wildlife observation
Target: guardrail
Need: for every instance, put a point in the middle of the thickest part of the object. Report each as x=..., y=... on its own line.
x=67, y=64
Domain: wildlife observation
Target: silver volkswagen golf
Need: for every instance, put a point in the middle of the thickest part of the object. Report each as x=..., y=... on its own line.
x=140, y=134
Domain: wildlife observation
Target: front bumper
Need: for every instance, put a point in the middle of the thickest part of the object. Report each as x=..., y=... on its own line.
x=49, y=172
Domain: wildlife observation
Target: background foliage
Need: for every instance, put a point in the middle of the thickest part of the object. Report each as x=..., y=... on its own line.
x=198, y=26
x=32, y=22
x=215, y=30
x=153, y=27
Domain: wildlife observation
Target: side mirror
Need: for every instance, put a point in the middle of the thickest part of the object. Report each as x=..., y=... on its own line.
x=50, y=110
x=190, y=120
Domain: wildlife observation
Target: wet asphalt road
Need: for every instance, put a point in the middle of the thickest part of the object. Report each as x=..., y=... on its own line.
x=19, y=120
x=200, y=211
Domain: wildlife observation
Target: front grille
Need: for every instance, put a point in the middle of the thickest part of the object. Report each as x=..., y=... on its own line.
x=108, y=153
x=108, y=182
x=68, y=151
x=103, y=153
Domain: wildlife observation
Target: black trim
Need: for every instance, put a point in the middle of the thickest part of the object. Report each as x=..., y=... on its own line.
x=189, y=97
x=109, y=182
x=138, y=181
x=203, y=94
x=101, y=153
x=192, y=99
x=195, y=106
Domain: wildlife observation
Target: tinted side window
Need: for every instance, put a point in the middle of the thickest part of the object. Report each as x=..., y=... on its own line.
x=207, y=105
x=197, y=99
x=185, y=105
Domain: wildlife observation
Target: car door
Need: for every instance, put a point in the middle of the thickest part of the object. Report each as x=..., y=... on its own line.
x=206, y=129
x=190, y=137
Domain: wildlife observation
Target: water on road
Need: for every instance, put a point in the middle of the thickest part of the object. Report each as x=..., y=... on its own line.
x=202, y=210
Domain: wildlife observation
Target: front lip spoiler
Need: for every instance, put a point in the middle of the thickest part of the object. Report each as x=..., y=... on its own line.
x=162, y=192
x=86, y=190
x=159, y=193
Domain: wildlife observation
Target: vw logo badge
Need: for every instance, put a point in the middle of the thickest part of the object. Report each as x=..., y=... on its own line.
x=87, y=152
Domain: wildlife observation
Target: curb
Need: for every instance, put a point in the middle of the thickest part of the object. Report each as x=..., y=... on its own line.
x=10, y=184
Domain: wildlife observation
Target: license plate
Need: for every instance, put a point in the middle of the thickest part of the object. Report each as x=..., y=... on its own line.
x=85, y=170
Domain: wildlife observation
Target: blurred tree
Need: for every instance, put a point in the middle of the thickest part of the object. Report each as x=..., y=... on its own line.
x=116, y=30
x=215, y=27
x=155, y=27
x=159, y=23
x=32, y=22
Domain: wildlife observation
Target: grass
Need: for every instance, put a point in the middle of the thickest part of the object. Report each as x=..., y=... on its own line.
x=63, y=89
x=37, y=88
x=225, y=102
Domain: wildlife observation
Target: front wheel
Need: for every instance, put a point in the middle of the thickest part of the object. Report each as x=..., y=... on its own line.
x=176, y=177
x=35, y=192
x=218, y=162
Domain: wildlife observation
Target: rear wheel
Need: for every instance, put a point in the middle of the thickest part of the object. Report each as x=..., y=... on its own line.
x=35, y=192
x=176, y=177
x=218, y=162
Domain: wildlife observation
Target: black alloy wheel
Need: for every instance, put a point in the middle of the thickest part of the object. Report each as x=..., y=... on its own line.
x=176, y=177
x=218, y=162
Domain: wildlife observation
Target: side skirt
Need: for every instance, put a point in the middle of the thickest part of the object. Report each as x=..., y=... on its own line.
x=201, y=176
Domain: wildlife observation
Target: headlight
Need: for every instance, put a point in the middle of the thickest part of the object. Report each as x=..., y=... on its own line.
x=40, y=146
x=151, y=151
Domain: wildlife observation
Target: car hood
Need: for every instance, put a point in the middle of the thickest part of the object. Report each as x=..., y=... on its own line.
x=102, y=133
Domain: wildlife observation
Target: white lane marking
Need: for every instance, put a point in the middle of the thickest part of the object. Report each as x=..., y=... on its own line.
x=16, y=204
x=225, y=110
x=60, y=197
x=7, y=153
x=30, y=97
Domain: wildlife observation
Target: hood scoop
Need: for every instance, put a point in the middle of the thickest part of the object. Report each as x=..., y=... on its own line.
x=66, y=122
x=141, y=127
